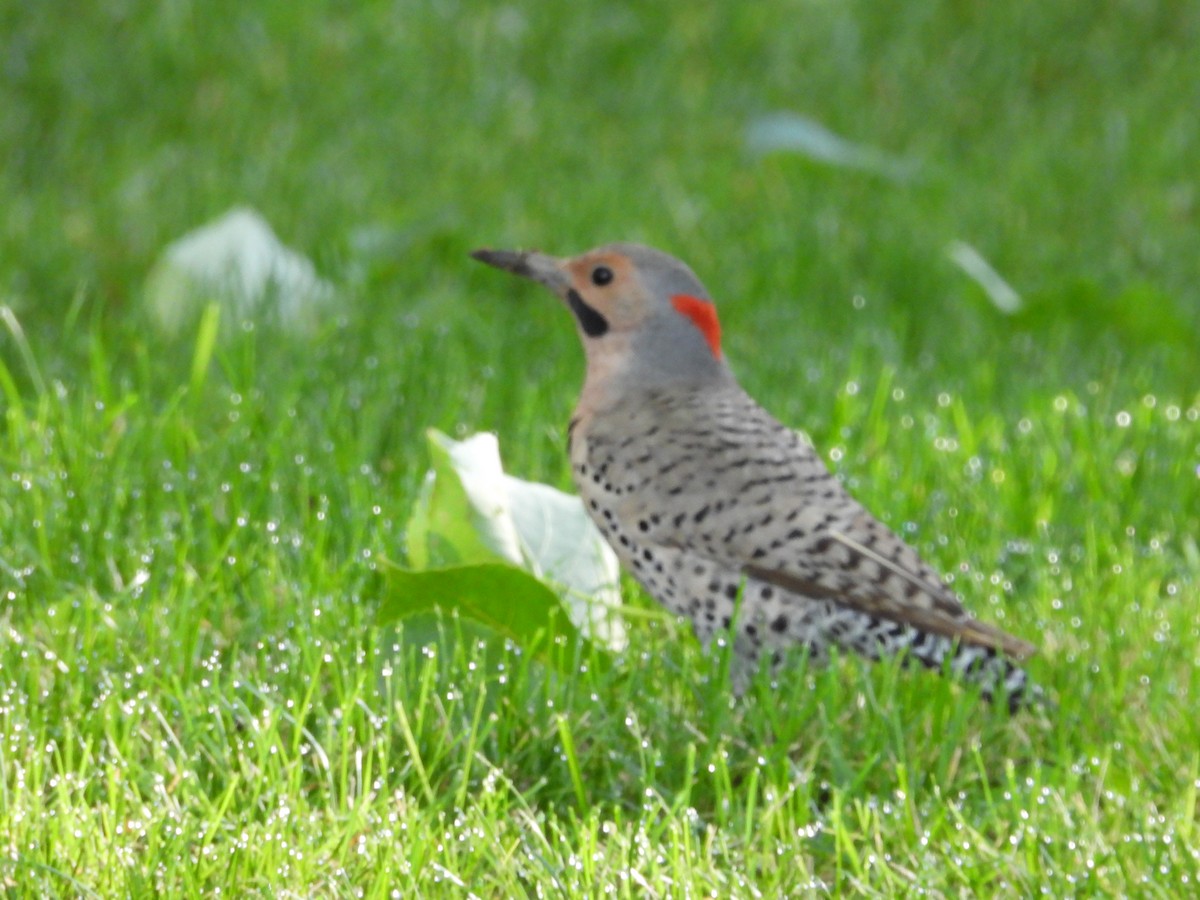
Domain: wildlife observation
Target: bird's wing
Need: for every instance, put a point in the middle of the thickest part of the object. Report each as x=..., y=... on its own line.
x=926, y=607
x=770, y=509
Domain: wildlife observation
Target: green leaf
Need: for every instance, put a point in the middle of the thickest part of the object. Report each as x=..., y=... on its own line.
x=470, y=512
x=508, y=601
x=446, y=527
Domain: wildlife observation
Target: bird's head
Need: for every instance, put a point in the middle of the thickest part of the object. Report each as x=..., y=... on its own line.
x=640, y=313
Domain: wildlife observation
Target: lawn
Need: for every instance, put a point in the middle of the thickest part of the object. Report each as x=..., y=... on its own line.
x=196, y=697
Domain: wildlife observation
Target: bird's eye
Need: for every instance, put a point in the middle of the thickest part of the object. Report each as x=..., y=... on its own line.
x=602, y=275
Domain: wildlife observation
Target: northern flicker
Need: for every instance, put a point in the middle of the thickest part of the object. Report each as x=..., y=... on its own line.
x=720, y=511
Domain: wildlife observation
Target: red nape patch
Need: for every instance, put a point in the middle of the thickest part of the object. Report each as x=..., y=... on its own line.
x=704, y=315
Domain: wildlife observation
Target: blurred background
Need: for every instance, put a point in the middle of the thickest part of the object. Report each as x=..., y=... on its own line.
x=383, y=140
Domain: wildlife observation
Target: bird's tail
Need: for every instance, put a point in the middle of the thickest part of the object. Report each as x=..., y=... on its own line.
x=998, y=677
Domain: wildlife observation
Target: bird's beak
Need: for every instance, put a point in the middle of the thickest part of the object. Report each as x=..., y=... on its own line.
x=529, y=264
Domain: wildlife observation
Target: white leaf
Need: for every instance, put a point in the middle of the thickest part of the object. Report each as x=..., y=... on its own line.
x=999, y=291
x=533, y=525
x=800, y=134
x=238, y=262
x=476, y=463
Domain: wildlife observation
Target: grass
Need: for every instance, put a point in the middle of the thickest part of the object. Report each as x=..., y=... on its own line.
x=194, y=697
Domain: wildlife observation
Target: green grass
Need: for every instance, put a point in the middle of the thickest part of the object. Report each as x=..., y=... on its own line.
x=194, y=697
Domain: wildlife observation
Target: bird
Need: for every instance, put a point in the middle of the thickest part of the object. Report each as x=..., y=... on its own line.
x=723, y=514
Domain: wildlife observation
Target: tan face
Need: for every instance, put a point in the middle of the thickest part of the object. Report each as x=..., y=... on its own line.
x=607, y=284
